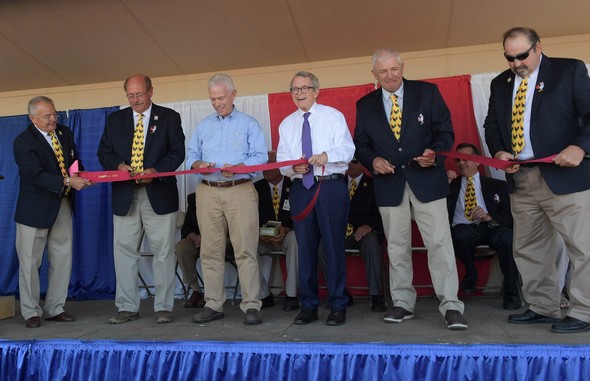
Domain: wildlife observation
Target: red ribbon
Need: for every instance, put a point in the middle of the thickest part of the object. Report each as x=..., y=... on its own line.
x=113, y=176
x=301, y=216
x=495, y=163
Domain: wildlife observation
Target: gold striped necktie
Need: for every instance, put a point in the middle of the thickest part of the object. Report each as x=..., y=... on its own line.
x=351, y=192
x=59, y=155
x=518, y=117
x=276, y=201
x=137, y=147
x=470, y=200
x=395, y=117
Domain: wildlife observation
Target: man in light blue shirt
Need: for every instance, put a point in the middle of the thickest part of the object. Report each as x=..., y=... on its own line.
x=227, y=201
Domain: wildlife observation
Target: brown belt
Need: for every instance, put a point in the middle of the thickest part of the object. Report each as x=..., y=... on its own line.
x=225, y=184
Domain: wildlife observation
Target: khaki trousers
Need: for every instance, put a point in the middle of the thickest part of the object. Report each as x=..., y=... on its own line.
x=30, y=244
x=160, y=230
x=233, y=209
x=433, y=222
x=539, y=213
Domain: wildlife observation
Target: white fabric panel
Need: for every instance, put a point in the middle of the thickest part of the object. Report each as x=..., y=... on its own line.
x=480, y=92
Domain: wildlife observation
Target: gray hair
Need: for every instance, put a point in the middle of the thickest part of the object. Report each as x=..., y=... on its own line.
x=305, y=74
x=382, y=54
x=32, y=106
x=530, y=33
x=221, y=79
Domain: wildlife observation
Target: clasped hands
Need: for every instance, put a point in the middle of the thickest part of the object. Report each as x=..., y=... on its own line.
x=128, y=168
x=317, y=160
x=571, y=156
x=382, y=166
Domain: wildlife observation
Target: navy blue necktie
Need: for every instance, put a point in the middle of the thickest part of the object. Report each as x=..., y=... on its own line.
x=307, y=151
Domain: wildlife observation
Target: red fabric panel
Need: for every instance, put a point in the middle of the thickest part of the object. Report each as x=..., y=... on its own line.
x=456, y=92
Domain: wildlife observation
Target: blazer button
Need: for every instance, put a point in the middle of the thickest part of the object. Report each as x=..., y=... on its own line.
x=400, y=149
x=403, y=166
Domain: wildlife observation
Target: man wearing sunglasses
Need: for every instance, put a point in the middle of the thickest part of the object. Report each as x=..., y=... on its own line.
x=538, y=108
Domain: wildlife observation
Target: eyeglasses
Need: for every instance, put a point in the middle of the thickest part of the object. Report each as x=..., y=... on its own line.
x=302, y=89
x=136, y=95
x=49, y=116
x=521, y=57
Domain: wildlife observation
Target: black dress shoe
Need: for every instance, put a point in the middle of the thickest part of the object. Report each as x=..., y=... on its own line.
x=64, y=317
x=570, y=325
x=291, y=304
x=511, y=301
x=336, y=317
x=468, y=284
x=269, y=301
x=530, y=317
x=306, y=316
x=33, y=322
x=377, y=303
x=193, y=301
x=350, y=300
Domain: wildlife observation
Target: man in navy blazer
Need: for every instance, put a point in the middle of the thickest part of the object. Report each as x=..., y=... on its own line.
x=149, y=204
x=488, y=223
x=44, y=211
x=410, y=181
x=285, y=241
x=552, y=197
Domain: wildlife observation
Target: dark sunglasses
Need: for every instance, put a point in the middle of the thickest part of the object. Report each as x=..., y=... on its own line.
x=521, y=57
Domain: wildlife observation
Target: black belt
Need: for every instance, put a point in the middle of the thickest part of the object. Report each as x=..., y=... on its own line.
x=336, y=176
x=528, y=165
x=224, y=184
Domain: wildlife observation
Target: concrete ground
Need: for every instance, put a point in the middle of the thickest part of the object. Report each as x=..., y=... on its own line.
x=486, y=318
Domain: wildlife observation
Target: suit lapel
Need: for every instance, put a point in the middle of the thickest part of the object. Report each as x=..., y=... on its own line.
x=488, y=194
x=542, y=77
x=410, y=100
x=40, y=139
x=508, y=92
x=380, y=114
x=454, y=196
x=129, y=130
x=153, y=125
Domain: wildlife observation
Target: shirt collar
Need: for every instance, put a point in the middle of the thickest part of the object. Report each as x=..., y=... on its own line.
x=399, y=92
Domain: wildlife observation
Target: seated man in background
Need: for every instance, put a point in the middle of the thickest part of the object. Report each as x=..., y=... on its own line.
x=273, y=205
x=188, y=252
x=479, y=210
x=364, y=232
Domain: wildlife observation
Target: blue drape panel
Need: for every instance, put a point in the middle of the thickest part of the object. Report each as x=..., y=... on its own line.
x=10, y=128
x=93, y=274
x=107, y=360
